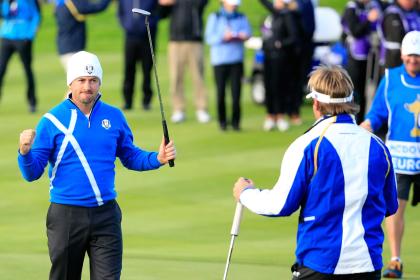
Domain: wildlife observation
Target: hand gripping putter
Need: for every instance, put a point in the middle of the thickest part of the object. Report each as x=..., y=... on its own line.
x=234, y=232
x=165, y=127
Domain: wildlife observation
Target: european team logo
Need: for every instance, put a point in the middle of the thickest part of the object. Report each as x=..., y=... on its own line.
x=414, y=108
x=106, y=124
x=89, y=69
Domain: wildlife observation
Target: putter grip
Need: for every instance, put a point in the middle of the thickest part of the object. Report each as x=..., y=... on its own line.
x=166, y=135
x=237, y=219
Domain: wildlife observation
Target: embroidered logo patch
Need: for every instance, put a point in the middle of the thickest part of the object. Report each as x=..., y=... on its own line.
x=89, y=69
x=106, y=124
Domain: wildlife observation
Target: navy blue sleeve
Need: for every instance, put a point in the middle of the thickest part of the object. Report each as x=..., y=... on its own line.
x=90, y=7
x=390, y=189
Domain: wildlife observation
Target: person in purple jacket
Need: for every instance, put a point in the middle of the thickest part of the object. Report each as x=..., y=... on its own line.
x=359, y=22
x=80, y=139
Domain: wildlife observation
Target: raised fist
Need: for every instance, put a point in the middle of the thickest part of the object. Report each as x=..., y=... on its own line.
x=26, y=140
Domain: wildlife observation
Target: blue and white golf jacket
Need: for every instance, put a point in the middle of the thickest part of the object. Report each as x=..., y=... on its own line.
x=82, y=152
x=341, y=176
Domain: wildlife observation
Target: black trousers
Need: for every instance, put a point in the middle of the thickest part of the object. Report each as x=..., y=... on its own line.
x=304, y=62
x=74, y=231
x=24, y=49
x=305, y=273
x=357, y=72
x=281, y=82
x=229, y=73
x=137, y=50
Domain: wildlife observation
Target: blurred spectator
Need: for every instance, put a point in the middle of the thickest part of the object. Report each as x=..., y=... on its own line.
x=385, y=4
x=137, y=48
x=359, y=21
x=397, y=103
x=70, y=16
x=226, y=31
x=307, y=15
x=186, y=49
x=282, y=46
x=399, y=19
x=19, y=26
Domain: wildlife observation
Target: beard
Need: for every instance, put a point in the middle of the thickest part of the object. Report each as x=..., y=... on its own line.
x=87, y=97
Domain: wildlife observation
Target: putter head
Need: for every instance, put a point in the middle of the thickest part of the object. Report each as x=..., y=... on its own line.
x=140, y=11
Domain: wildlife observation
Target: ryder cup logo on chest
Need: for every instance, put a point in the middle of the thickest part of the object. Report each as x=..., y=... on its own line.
x=106, y=124
x=89, y=69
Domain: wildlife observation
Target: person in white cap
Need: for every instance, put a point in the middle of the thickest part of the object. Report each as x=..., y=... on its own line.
x=397, y=103
x=80, y=139
x=342, y=179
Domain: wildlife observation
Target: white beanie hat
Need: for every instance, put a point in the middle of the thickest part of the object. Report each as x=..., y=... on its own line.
x=83, y=64
x=233, y=2
x=411, y=43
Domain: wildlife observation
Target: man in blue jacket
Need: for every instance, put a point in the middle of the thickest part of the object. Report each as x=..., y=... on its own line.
x=20, y=24
x=342, y=179
x=81, y=138
x=397, y=103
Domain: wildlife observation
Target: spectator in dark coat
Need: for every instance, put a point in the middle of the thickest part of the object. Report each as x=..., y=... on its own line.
x=282, y=45
x=307, y=15
x=359, y=21
x=70, y=16
x=136, y=47
x=399, y=19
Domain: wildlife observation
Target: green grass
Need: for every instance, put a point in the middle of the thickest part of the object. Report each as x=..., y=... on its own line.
x=176, y=221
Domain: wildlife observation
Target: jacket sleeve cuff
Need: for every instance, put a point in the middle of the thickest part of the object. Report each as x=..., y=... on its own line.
x=25, y=159
x=245, y=192
x=154, y=162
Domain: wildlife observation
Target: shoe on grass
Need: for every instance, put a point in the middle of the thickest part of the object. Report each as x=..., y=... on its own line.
x=393, y=270
x=178, y=117
x=203, y=116
x=269, y=124
x=282, y=124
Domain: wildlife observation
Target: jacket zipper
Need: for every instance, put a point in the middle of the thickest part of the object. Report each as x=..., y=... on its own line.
x=91, y=110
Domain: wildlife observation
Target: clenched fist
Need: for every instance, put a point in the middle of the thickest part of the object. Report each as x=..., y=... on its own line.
x=26, y=140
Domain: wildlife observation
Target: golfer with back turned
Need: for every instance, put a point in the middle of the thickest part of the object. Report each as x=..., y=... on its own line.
x=80, y=139
x=342, y=179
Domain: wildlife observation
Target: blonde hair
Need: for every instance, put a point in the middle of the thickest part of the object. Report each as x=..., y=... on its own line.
x=334, y=81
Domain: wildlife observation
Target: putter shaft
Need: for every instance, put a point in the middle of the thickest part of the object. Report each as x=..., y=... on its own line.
x=232, y=241
x=164, y=125
x=234, y=232
x=154, y=68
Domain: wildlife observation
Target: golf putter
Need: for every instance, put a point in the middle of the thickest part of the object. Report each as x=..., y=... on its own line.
x=234, y=232
x=164, y=125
